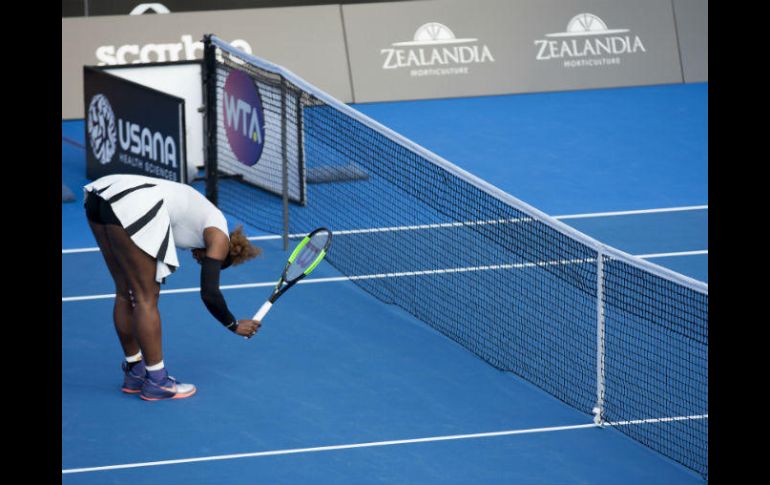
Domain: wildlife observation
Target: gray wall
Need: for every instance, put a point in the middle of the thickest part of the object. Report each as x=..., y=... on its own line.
x=306, y=40
x=692, y=28
x=86, y=8
x=368, y=52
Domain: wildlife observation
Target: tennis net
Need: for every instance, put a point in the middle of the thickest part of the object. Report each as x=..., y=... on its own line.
x=607, y=333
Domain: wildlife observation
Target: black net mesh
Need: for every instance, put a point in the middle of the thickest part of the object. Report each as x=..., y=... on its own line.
x=508, y=285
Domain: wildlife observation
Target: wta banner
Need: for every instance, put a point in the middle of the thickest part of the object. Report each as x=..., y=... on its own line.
x=131, y=128
x=445, y=48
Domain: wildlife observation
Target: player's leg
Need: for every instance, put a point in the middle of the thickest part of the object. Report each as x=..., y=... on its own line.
x=122, y=308
x=133, y=366
x=140, y=268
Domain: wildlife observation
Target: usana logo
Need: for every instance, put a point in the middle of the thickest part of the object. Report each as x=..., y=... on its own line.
x=588, y=42
x=134, y=138
x=101, y=129
x=436, y=51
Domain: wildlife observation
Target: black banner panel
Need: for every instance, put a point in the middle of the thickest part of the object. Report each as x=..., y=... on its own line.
x=131, y=128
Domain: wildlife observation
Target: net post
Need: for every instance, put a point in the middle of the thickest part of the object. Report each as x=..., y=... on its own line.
x=284, y=166
x=209, y=71
x=301, y=147
x=599, y=407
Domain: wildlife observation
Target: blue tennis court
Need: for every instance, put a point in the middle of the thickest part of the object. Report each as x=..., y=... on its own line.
x=339, y=387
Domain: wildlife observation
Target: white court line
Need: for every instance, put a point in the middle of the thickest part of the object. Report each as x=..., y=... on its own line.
x=80, y=250
x=375, y=444
x=393, y=275
x=456, y=224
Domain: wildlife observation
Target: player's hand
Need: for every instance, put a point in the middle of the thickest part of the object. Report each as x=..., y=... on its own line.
x=247, y=328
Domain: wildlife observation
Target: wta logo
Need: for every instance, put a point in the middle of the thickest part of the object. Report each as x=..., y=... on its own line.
x=101, y=129
x=244, y=118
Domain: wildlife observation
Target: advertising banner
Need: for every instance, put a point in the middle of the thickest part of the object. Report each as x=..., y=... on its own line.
x=390, y=51
x=131, y=128
x=306, y=40
x=181, y=79
x=445, y=48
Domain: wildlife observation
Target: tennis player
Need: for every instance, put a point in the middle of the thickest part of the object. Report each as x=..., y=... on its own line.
x=139, y=222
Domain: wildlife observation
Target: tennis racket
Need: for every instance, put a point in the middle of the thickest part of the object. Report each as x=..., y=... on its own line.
x=303, y=260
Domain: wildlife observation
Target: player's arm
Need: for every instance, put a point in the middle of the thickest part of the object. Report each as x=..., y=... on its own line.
x=217, y=246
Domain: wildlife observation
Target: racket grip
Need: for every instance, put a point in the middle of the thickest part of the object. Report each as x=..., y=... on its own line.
x=262, y=311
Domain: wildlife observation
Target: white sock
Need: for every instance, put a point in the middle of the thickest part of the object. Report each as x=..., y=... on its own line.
x=155, y=367
x=134, y=358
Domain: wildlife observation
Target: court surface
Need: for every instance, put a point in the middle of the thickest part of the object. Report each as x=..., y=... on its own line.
x=340, y=388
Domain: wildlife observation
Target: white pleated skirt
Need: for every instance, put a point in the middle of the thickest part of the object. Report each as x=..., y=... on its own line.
x=140, y=208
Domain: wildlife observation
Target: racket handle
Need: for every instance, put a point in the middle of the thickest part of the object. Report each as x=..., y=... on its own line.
x=262, y=311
